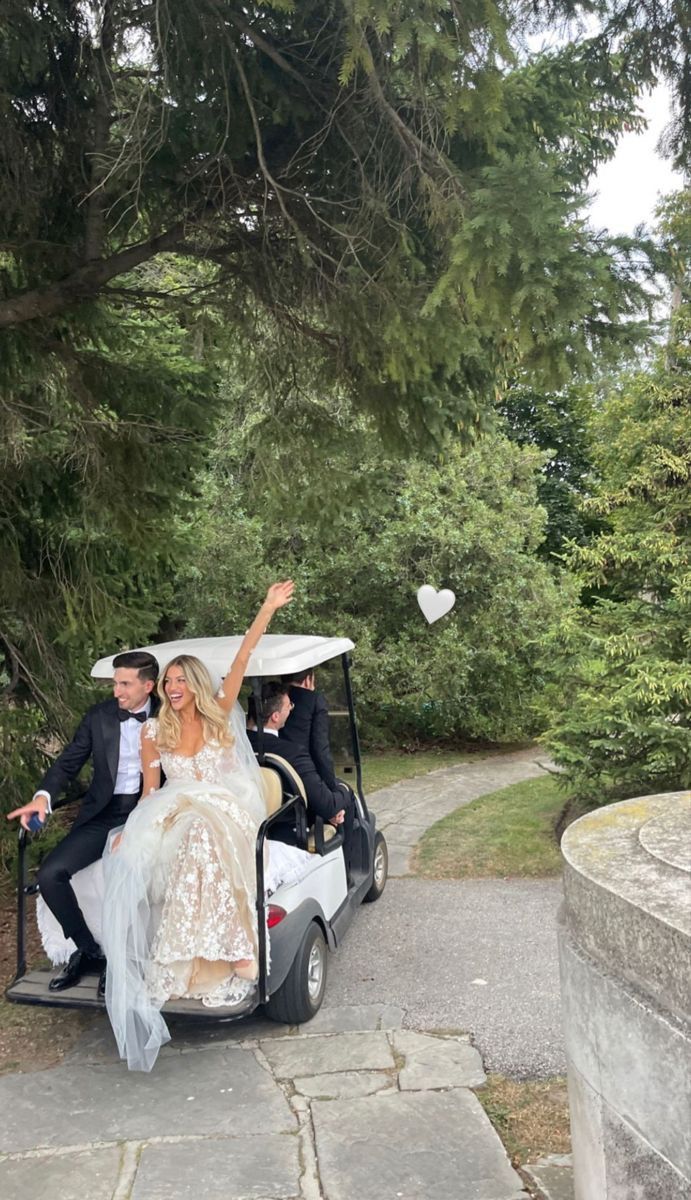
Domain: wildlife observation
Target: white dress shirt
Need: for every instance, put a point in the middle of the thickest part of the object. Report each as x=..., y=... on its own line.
x=130, y=758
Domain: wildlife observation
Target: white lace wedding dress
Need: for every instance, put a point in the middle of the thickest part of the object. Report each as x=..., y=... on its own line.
x=180, y=895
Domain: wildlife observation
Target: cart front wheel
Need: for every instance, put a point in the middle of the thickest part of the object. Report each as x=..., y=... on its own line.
x=380, y=868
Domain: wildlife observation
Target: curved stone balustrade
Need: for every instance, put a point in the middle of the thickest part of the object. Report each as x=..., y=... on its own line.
x=625, y=961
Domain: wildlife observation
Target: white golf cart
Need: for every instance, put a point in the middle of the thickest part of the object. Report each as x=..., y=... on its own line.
x=300, y=922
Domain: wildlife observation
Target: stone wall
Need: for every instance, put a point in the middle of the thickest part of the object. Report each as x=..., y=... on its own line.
x=625, y=963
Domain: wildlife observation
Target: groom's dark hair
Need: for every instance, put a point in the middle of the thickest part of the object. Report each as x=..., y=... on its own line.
x=272, y=696
x=140, y=661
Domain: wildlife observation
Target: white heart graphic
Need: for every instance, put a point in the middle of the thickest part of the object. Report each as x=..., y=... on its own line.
x=435, y=604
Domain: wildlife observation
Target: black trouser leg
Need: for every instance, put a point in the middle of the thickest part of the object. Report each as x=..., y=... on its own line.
x=82, y=846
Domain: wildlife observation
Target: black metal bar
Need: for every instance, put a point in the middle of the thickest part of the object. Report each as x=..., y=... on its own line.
x=262, y=980
x=258, y=716
x=353, y=729
x=21, y=906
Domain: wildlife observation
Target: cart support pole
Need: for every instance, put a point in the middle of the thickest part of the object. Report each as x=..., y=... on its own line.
x=262, y=979
x=353, y=727
x=21, y=905
x=259, y=712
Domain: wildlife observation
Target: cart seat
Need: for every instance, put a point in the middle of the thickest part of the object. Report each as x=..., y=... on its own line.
x=273, y=790
x=274, y=776
x=285, y=768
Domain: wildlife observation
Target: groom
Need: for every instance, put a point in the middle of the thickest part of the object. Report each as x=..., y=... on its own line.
x=109, y=736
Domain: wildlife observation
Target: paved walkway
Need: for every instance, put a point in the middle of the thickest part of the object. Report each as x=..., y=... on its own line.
x=405, y=810
x=478, y=955
x=350, y=1107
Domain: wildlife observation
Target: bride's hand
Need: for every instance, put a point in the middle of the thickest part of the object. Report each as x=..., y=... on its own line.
x=280, y=594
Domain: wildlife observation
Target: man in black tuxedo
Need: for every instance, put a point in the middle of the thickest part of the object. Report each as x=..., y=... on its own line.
x=109, y=735
x=308, y=723
x=336, y=805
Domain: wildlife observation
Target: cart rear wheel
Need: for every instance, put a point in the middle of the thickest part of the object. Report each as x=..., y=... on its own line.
x=380, y=868
x=300, y=996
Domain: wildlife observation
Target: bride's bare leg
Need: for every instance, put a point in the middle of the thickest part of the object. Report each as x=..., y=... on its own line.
x=246, y=968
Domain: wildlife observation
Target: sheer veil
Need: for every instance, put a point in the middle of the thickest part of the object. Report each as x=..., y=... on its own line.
x=244, y=754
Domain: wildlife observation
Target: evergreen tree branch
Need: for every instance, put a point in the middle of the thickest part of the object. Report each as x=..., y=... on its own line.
x=85, y=281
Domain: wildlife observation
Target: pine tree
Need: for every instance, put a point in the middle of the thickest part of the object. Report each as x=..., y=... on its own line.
x=622, y=724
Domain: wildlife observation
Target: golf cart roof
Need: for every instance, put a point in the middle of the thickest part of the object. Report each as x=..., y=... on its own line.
x=276, y=654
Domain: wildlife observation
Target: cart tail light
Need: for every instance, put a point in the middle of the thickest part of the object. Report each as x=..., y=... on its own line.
x=275, y=915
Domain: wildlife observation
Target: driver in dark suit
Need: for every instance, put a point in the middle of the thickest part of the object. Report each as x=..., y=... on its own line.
x=308, y=723
x=109, y=736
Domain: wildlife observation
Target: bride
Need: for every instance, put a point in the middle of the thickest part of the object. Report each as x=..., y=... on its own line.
x=179, y=912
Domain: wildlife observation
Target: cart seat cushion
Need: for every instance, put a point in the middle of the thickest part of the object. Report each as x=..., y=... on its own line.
x=290, y=772
x=273, y=791
x=329, y=833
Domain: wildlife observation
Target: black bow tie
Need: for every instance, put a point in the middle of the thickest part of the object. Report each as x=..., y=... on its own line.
x=124, y=715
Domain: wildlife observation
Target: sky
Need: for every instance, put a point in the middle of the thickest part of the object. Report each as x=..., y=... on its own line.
x=628, y=187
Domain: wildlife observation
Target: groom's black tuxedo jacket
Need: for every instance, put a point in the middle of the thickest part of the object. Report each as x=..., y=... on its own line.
x=321, y=800
x=98, y=739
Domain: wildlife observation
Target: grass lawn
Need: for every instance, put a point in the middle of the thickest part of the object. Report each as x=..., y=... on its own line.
x=505, y=833
x=531, y=1117
x=382, y=768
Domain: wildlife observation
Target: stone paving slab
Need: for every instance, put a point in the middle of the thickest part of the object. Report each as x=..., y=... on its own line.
x=97, y=1044
x=554, y=1176
x=398, y=859
x=263, y=1167
x=353, y=1017
x=432, y=1062
x=344, y=1085
x=409, y=833
x=202, y=1093
x=83, y=1175
x=419, y=1146
x=322, y=1054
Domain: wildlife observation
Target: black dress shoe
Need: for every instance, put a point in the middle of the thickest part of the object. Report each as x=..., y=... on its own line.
x=101, y=989
x=77, y=965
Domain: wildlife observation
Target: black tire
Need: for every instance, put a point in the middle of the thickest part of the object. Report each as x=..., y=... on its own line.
x=380, y=869
x=300, y=996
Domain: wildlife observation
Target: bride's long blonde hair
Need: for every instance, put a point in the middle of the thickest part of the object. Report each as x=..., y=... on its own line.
x=214, y=720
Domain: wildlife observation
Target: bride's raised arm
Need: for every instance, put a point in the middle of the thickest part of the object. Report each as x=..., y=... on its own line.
x=277, y=595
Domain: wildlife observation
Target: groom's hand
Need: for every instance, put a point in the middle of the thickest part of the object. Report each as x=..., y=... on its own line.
x=338, y=818
x=38, y=805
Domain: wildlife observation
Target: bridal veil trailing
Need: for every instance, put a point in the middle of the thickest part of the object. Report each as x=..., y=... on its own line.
x=180, y=898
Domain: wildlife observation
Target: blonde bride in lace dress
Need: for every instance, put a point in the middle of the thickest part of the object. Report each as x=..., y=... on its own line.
x=179, y=913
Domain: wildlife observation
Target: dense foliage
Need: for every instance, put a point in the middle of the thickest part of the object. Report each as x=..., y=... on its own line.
x=560, y=424
x=469, y=521
x=353, y=172
x=106, y=431
x=620, y=720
